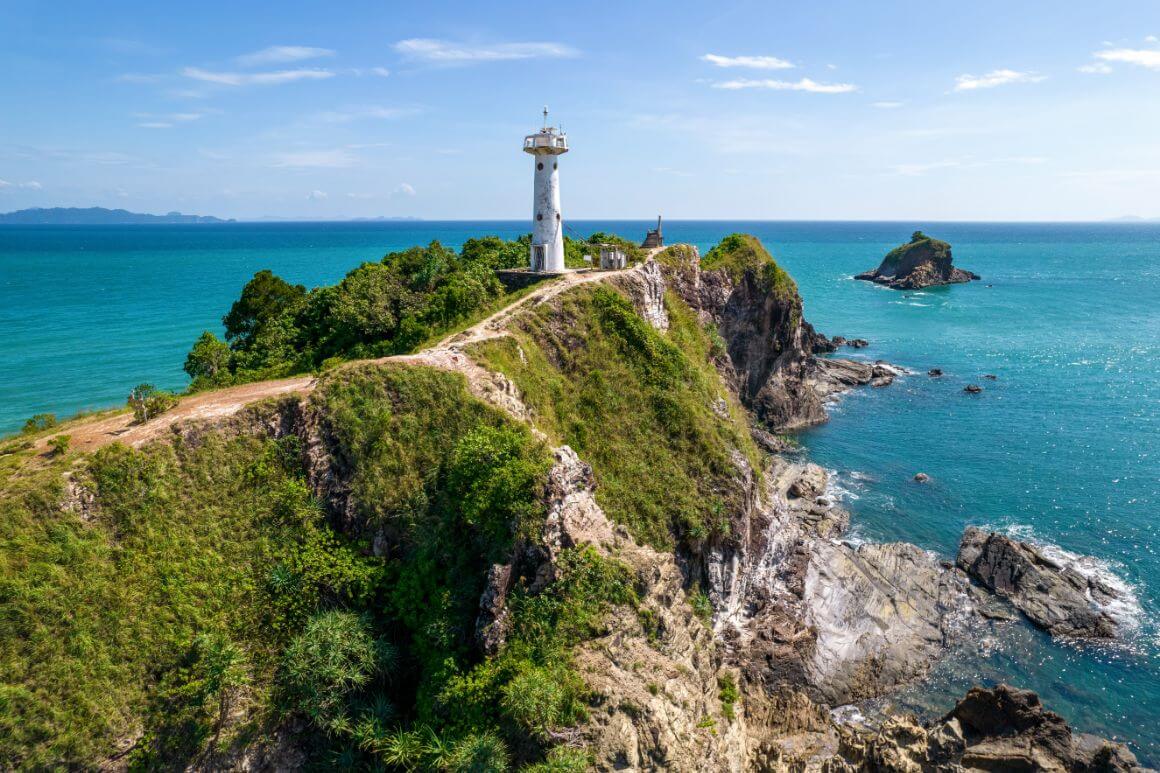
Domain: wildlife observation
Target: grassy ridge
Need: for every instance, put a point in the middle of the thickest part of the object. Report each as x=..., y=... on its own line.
x=635, y=403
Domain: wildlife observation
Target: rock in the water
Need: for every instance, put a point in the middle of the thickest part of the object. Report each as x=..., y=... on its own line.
x=1056, y=598
x=923, y=262
x=921, y=477
x=973, y=389
x=990, y=377
x=857, y=343
x=934, y=372
x=999, y=729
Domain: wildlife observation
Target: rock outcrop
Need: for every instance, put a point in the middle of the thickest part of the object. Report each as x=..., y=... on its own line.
x=990, y=729
x=923, y=262
x=770, y=348
x=1057, y=598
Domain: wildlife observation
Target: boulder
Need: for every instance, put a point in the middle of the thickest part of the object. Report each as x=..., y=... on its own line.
x=1058, y=599
x=810, y=483
x=921, y=477
x=857, y=343
x=973, y=389
x=934, y=372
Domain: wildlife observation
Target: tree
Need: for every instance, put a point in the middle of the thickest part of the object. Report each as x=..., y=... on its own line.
x=264, y=298
x=209, y=359
x=39, y=423
x=334, y=657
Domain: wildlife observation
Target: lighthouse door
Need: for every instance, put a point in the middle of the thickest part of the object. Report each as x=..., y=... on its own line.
x=538, y=257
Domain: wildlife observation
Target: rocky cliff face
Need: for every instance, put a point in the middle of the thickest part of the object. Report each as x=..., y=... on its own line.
x=770, y=348
x=923, y=262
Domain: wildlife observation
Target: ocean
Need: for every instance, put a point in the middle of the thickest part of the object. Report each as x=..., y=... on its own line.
x=1063, y=448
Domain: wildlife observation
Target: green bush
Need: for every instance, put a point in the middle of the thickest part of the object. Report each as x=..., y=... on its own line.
x=39, y=423
x=59, y=445
x=335, y=656
x=149, y=402
x=728, y=694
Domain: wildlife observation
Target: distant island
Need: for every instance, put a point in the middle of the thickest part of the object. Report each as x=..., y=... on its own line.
x=97, y=216
x=922, y=262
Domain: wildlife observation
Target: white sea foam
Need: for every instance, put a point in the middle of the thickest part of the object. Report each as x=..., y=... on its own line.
x=847, y=715
x=1125, y=609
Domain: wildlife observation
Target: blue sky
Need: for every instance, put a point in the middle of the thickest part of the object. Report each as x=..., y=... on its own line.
x=764, y=110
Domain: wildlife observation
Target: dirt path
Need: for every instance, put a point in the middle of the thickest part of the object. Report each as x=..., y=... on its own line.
x=447, y=354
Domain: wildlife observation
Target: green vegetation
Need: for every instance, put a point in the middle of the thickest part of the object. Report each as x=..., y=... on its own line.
x=919, y=242
x=728, y=694
x=59, y=444
x=39, y=423
x=408, y=300
x=156, y=610
x=205, y=598
x=149, y=402
x=636, y=404
x=741, y=253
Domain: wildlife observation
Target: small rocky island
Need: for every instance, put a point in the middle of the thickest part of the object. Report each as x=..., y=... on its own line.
x=922, y=262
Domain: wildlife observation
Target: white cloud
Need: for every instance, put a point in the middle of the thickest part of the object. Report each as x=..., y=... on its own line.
x=337, y=158
x=448, y=52
x=166, y=120
x=1141, y=57
x=382, y=72
x=1096, y=68
x=140, y=77
x=31, y=185
x=316, y=195
x=750, y=62
x=283, y=54
x=254, y=78
x=404, y=189
x=349, y=114
x=995, y=78
x=1152, y=39
x=886, y=105
x=805, y=84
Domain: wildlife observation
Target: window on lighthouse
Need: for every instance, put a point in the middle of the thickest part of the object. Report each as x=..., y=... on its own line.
x=540, y=165
x=539, y=216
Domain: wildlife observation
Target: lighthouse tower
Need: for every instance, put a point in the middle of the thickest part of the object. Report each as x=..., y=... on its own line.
x=546, y=146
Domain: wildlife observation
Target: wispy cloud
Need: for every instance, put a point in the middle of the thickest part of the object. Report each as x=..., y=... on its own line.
x=805, y=84
x=749, y=62
x=404, y=189
x=270, y=78
x=918, y=170
x=995, y=78
x=282, y=55
x=886, y=105
x=31, y=185
x=1096, y=68
x=361, y=112
x=337, y=158
x=1140, y=57
x=140, y=77
x=316, y=195
x=167, y=120
x=448, y=52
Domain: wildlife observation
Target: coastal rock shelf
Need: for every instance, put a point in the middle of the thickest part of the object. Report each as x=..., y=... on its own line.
x=922, y=262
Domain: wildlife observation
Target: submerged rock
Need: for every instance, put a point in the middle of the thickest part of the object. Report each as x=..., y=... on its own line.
x=923, y=262
x=973, y=389
x=921, y=477
x=934, y=372
x=1057, y=598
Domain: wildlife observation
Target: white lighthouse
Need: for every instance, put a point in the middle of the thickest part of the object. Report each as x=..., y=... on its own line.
x=546, y=146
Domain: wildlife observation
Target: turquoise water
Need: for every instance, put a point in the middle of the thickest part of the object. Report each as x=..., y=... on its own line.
x=1062, y=448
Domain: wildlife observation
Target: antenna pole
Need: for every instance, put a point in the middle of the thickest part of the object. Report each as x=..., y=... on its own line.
x=545, y=116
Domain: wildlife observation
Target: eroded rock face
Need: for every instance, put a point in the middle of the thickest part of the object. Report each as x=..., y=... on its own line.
x=1054, y=597
x=771, y=348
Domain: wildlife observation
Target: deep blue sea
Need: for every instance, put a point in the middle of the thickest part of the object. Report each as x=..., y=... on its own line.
x=1064, y=448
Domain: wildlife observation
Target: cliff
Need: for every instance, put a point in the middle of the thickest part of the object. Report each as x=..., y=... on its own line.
x=555, y=541
x=922, y=262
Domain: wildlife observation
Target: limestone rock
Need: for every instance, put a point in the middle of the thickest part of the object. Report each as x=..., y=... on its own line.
x=1056, y=598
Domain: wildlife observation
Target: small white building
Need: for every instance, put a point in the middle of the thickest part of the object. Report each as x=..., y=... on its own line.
x=612, y=257
x=546, y=146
